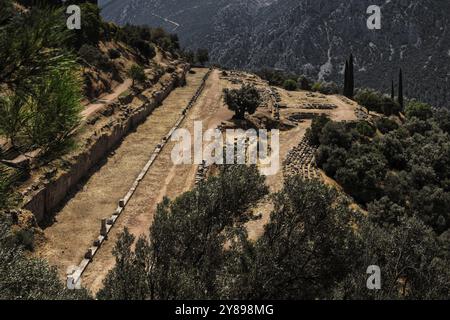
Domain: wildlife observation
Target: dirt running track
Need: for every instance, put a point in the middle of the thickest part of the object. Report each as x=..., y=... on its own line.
x=78, y=223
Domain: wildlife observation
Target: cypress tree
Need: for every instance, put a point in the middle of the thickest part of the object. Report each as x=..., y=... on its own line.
x=346, y=79
x=392, y=91
x=400, y=90
x=351, y=78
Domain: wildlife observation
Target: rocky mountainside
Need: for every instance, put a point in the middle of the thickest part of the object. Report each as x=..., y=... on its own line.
x=312, y=37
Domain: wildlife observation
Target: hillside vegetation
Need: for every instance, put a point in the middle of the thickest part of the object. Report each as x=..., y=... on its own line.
x=314, y=247
x=47, y=74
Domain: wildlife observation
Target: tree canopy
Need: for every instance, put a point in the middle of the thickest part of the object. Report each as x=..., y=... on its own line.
x=244, y=100
x=314, y=247
x=23, y=278
x=406, y=170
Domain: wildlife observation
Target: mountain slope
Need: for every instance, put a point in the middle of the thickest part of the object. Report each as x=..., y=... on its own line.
x=313, y=37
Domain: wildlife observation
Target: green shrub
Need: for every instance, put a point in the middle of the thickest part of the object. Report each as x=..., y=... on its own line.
x=25, y=238
x=325, y=87
x=313, y=133
x=386, y=125
x=316, y=87
x=189, y=56
x=188, y=232
x=28, y=278
x=39, y=102
x=370, y=99
x=389, y=107
x=13, y=116
x=304, y=83
x=140, y=38
x=365, y=128
x=93, y=56
x=91, y=26
x=290, y=85
x=377, y=102
x=56, y=113
x=145, y=48
x=422, y=111
x=4, y=187
x=137, y=74
x=274, y=77
x=114, y=53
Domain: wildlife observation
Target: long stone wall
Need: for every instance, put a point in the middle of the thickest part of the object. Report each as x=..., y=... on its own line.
x=73, y=279
x=45, y=196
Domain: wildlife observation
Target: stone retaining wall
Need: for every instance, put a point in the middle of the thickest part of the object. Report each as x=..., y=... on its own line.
x=301, y=161
x=47, y=195
x=73, y=279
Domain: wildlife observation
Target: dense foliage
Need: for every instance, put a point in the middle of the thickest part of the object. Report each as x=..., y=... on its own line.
x=275, y=77
x=377, y=102
x=40, y=103
x=5, y=184
x=313, y=133
x=187, y=233
x=314, y=247
x=244, y=100
x=288, y=81
x=325, y=87
x=403, y=173
x=349, y=78
x=23, y=278
x=40, y=89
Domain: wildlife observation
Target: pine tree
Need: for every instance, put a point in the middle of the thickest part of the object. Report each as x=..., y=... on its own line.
x=400, y=90
x=39, y=81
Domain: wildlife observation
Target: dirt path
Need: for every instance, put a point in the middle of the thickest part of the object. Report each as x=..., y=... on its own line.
x=163, y=179
x=78, y=222
x=102, y=101
x=345, y=110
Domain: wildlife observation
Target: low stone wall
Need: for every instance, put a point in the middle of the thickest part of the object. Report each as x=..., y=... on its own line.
x=301, y=161
x=46, y=196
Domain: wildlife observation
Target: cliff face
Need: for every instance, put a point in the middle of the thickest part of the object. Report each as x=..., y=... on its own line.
x=313, y=37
